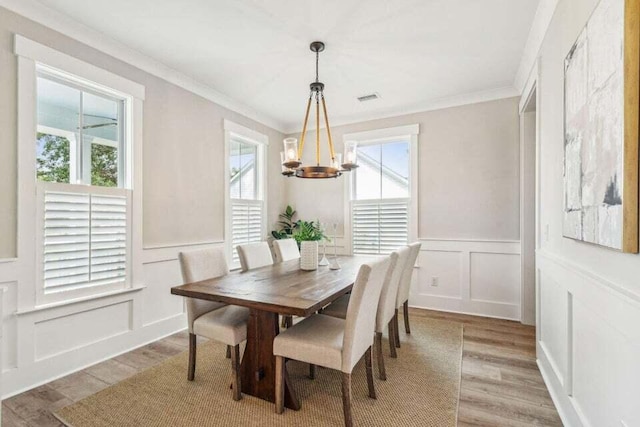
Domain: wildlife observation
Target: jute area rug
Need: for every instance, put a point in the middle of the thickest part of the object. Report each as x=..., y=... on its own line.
x=422, y=389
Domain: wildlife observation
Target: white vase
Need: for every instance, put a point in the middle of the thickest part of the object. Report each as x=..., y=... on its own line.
x=309, y=255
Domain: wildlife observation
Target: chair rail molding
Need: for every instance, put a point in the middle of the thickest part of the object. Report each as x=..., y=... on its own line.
x=480, y=277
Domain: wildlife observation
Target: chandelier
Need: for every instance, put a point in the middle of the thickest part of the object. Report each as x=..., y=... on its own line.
x=291, y=157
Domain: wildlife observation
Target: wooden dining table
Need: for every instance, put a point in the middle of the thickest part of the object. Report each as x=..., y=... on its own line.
x=269, y=291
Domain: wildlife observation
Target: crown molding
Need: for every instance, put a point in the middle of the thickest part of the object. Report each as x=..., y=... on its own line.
x=69, y=27
x=438, y=104
x=539, y=27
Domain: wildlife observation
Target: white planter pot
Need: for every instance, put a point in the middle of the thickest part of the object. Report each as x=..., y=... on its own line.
x=309, y=255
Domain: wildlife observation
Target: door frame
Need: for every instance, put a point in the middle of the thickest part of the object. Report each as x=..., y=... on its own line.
x=529, y=292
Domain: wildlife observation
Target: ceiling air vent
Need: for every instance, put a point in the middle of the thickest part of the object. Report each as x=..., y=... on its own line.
x=369, y=97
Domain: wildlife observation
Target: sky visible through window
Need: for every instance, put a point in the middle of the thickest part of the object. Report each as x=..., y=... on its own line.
x=383, y=171
x=242, y=170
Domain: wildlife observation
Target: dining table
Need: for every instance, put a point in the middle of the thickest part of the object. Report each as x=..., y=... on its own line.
x=279, y=289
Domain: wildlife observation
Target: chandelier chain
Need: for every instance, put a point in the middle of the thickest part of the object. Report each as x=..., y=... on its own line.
x=317, y=60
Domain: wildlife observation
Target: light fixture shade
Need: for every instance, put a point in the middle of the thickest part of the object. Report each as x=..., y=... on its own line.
x=291, y=160
x=350, y=155
x=285, y=170
x=337, y=162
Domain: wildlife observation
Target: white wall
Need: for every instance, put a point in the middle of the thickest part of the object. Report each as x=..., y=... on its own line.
x=468, y=204
x=588, y=297
x=183, y=208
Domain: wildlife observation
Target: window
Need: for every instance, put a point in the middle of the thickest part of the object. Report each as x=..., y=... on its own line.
x=79, y=158
x=80, y=172
x=382, y=194
x=246, y=181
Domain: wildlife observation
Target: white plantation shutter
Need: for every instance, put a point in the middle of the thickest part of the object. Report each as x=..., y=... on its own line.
x=380, y=226
x=85, y=236
x=246, y=223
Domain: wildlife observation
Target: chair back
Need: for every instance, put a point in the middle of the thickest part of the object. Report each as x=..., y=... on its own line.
x=200, y=265
x=254, y=255
x=361, y=314
x=387, y=304
x=407, y=274
x=286, y=249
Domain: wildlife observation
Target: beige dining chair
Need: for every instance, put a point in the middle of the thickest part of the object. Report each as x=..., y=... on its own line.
x=403, y=290
x=336, y=343
x=213, y=320
x=254, y=255
x=386, y=307
x=286, y=250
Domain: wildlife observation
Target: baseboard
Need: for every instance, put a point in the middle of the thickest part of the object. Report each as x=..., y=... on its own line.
x=562, y=402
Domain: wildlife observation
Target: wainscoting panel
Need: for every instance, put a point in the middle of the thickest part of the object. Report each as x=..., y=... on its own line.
x=552, y=328
x=446, y=267
x=493, y=276
x=469, y=276
x=160, y=277
x=588, y=345
x=105, y=322
x=9, y=325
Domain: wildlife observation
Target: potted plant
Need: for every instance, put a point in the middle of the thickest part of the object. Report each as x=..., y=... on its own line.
x=287, y=224
x=307, y=234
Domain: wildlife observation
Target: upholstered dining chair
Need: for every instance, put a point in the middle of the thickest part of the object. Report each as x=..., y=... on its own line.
x=213, y=320
x=254, y=255
x=336, y=343
x=286, y=250
x=386, y=307
x=403, y=290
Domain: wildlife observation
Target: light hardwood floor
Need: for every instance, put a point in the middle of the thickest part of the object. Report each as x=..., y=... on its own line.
x=501, y=384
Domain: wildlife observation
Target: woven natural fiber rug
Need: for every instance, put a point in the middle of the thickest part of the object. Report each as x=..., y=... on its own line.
x=422, y=389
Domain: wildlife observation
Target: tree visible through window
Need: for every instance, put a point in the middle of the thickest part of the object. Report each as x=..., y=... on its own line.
x=53, y=161
x=79, y=135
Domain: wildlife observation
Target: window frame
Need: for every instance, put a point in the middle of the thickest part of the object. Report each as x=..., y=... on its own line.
x=381, y=136
x=234, y=131
x=32, y=58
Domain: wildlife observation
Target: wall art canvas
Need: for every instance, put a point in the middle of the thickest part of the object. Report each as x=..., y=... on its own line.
x=601, y=108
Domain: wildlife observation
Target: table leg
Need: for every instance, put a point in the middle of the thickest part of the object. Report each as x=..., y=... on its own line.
x=258, y=369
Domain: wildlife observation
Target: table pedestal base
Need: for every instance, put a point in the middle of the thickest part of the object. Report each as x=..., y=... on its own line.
x=258, y=369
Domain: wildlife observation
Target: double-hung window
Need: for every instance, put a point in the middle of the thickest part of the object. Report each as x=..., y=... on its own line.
x=79, y=141
x=82, y=197
x=246, y=188
x=382, y=194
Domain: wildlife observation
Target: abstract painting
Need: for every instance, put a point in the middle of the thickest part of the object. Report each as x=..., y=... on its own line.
x=601, y=129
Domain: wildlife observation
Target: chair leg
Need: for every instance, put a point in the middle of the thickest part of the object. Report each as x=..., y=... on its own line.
x=279, y=384
x=346, y=399
x=289, y=321
x=368, y=361
x=382, y=373
x=397, y=328
x=235, y=369
x=405, y=309
x=192, y=357
x=312, y=371
x=228, y=352
x=392, y=339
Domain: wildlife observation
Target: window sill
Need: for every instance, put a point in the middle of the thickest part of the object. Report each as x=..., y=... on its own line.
x=73, y=301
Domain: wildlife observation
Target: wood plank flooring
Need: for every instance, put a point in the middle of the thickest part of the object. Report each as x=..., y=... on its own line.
x=500, y=384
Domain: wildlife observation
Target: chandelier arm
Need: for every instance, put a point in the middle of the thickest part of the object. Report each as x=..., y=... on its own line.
x=304, y=127
x=317, y=129
x=326, y=121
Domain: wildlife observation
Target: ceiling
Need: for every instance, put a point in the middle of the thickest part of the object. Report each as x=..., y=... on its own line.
x=256, y=52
